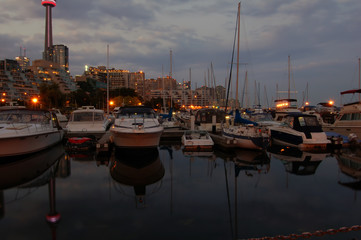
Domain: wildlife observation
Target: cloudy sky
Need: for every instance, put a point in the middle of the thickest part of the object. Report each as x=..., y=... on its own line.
x=322, y=38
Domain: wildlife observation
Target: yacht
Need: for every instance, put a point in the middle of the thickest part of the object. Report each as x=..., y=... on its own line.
x=299, y=130
x=24, y=131
x=87, y=121
x=63, y=120
x=348, y=120
x=136, y=126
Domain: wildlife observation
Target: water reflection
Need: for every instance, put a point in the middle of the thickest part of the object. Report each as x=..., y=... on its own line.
x=296, y=161
x=251, y=162
x=138, y=168
x=349, y=162
x=28, y=173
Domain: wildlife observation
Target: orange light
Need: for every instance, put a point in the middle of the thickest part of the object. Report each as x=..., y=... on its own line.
x=34, y=100
x=331, y=102
x=307, y=103
x=111, y=103
x=2, y=100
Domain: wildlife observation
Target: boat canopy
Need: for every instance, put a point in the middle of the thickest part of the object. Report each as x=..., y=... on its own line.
x=353, y=91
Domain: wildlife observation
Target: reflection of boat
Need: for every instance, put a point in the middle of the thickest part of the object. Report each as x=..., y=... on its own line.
x=297, y=161
x=197, y=140
x=87, y=122
x=24, y=131
x=138, y=168
x=136, y=126
x=251, y=161
x=26, y=168
x=349, y=162
x=300, y=130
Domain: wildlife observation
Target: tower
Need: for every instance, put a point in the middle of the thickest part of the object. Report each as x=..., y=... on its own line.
x=48, y=51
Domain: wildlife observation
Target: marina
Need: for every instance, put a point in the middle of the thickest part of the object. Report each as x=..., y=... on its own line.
x=166, y=193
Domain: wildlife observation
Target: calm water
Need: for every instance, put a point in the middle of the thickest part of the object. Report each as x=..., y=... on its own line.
x=169, y=194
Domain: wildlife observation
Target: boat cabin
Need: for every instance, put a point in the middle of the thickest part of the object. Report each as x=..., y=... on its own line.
x=303, y=123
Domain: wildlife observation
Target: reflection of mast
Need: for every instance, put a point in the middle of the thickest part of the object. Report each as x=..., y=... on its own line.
x=53, y=217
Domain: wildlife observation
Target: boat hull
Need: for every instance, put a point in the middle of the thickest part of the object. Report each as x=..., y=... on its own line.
x=318, y=141
x=21, y=145
x=136, y=138
x=246, y=142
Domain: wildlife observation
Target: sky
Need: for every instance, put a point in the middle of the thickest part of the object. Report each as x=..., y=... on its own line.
x=322, y=39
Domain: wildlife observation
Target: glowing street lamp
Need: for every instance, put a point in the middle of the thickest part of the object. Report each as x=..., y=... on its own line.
x=35, y=101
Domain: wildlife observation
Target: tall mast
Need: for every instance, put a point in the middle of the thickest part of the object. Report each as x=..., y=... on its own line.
x=238, y=34
x=108, y=79
x=289, y=77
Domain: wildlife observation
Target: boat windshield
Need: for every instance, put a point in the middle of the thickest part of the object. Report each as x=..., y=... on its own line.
x=87, y=116
x=24, y=116
x=136, y=113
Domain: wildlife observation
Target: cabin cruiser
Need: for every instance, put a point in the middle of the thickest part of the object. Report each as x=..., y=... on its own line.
x=87, y=122
x=209, y=119
x=24, y=131
x=136, y=126
x=348, y=120
x=299, y=130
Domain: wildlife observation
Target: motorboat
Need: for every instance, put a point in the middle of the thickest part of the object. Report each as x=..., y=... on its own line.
x=299, y=130
x=87, y=121
x=136, y=126
x=25, y=131
x=245, y=133
x=197, y=140
x=63, y=120
x=168, y=121
x=348, y=120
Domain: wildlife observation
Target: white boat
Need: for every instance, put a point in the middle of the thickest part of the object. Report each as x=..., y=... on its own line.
x=348, y=120
x=300, y=130
x=136, y=126
x=197, y=140
x=87, y=122
x=63, y=120
x=245, y=133
x=24, y=131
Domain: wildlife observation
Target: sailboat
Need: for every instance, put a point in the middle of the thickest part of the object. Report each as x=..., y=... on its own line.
x=244, y=133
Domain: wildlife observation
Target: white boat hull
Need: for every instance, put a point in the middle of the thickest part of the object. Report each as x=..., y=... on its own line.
x=22, y=145
x=136, y=138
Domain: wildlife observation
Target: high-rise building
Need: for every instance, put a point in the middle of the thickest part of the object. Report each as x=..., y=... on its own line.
x=61, y=56
x=48, y=51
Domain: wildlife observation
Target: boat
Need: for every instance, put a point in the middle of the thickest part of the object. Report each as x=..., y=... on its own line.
x=299, y=130
x=245, y=134
x=87, y=122
x=24, y=131
x=136, y=126
x=63, y=120
x=209, y=119
x=197, y=140
x=348, y=120
x=168, y=121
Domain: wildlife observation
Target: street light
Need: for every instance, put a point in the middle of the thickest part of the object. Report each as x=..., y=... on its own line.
x=34, y=100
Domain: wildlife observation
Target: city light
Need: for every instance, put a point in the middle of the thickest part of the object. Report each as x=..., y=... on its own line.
x=331, y=102
x=34, y=100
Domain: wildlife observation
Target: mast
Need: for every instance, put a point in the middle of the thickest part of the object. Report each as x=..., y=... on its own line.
x=359, y=79
x=289, y=78
x=108, y=79
x=238, y=34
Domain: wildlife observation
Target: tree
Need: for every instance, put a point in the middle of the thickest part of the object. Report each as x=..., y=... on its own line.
x=51, y=96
